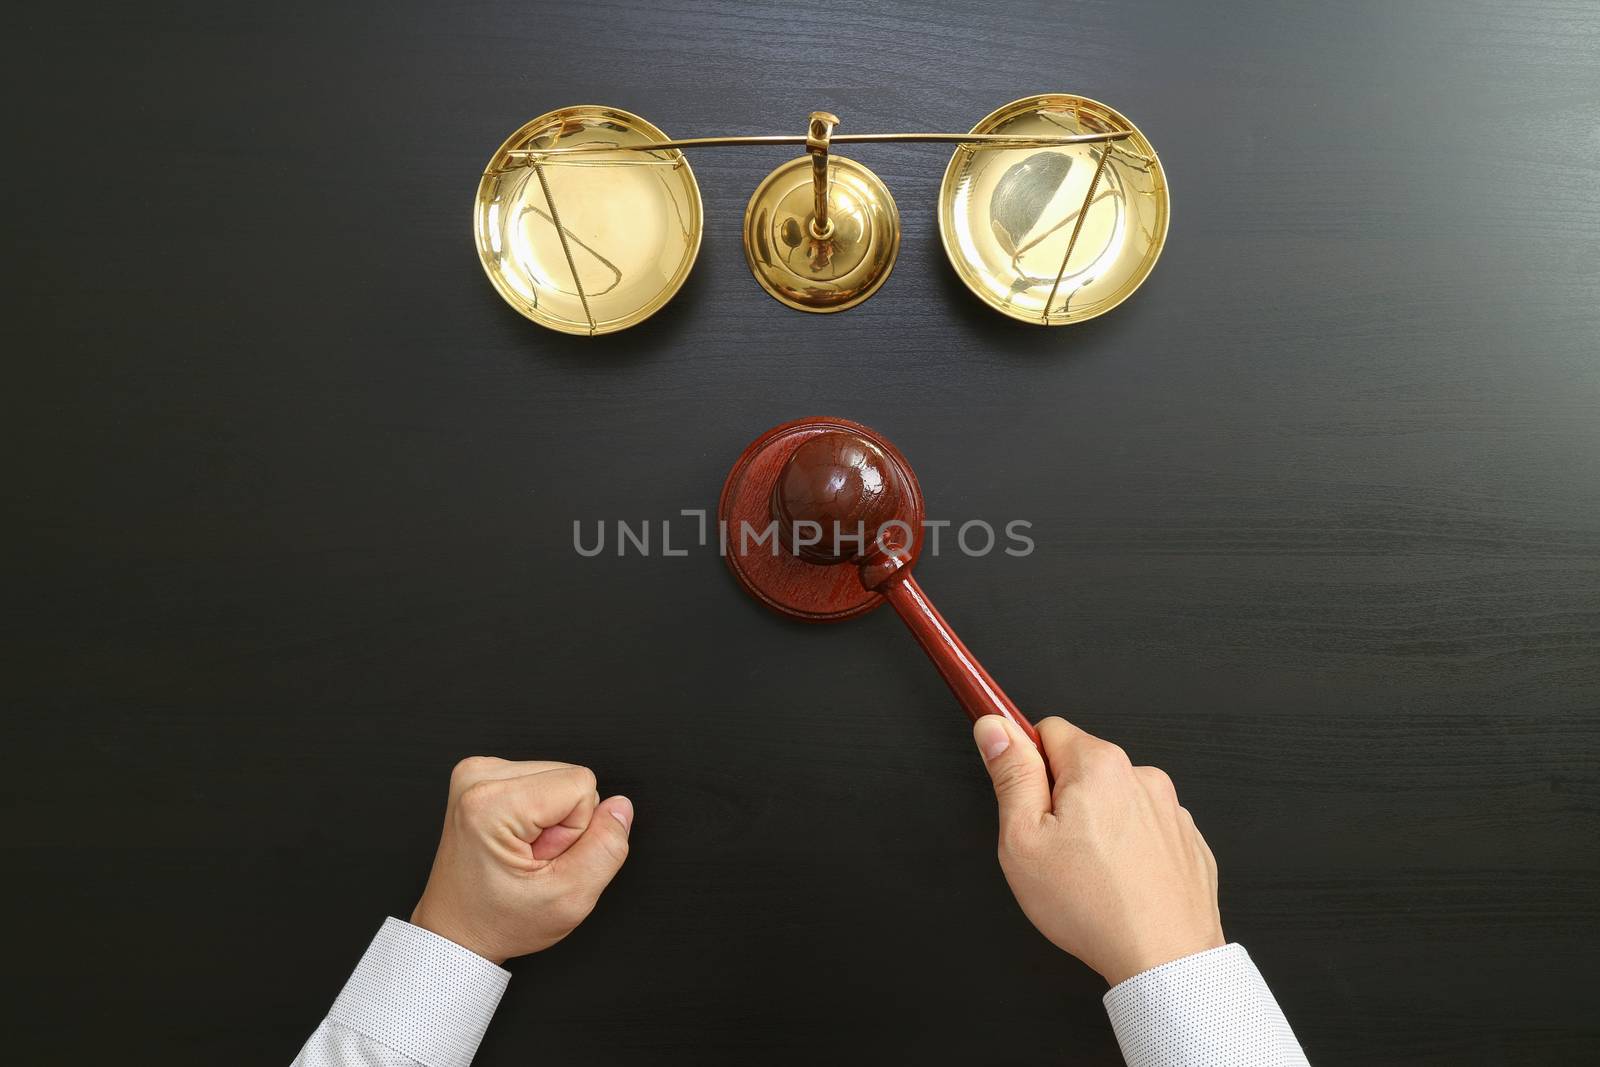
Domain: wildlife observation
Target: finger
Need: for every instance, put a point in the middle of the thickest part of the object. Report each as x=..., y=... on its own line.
x=475, y=769
x=1074, y=752
x=1021, y=785
x=533, y=803
x=554, y=840
x=594, y=859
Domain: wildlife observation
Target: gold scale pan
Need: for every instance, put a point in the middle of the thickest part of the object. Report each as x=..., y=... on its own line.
x=1053, y=210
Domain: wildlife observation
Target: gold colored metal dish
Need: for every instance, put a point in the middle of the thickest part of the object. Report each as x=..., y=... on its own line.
x=1053, y=235
x=809, y=272
x=590, y=247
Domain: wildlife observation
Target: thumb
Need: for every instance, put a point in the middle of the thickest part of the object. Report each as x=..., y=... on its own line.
x=595, y=857
x=1021, y=784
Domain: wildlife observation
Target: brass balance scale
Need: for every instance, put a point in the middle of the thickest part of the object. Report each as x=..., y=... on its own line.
x=1053, y=210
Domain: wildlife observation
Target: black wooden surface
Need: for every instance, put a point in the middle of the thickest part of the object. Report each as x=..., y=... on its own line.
x=291, y=495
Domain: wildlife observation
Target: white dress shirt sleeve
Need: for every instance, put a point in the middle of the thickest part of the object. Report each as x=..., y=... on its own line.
x=415, y=1000
x=1204, y=1010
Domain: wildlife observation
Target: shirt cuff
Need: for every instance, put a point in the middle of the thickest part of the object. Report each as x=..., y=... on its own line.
x=422, y=995
x=1211, y=1008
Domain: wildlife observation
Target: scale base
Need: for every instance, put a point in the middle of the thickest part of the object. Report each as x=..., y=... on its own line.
x=827, y=274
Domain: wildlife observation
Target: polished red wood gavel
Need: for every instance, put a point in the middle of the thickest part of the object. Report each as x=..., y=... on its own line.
x=822, y=520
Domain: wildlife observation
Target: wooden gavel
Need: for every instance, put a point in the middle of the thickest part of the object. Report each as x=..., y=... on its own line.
x=835, y=515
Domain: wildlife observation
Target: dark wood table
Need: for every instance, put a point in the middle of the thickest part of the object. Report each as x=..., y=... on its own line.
x=291, y=498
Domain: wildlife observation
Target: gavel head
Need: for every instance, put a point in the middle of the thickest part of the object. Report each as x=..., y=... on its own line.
x=840, y=499
x=817, y=515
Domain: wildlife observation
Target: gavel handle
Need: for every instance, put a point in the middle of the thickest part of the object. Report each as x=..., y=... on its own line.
x=979, y=694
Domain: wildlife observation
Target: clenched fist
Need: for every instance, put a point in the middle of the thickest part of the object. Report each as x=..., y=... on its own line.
x=1106, y=864
x=526, y=850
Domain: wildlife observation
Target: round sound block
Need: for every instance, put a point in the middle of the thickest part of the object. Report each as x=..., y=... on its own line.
x=754, y=550
x=1010, y=218
x=588, y=245
x=840, y=271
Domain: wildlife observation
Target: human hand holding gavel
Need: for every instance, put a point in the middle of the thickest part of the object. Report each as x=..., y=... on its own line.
x=1098, y=852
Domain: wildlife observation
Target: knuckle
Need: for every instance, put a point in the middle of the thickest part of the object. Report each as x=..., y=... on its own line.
x=1108, y=757
x=617, y=846
x=472, y=768
x=586, y=779
x=1159, y=780
x=1054, y=732
x=1007, y=777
